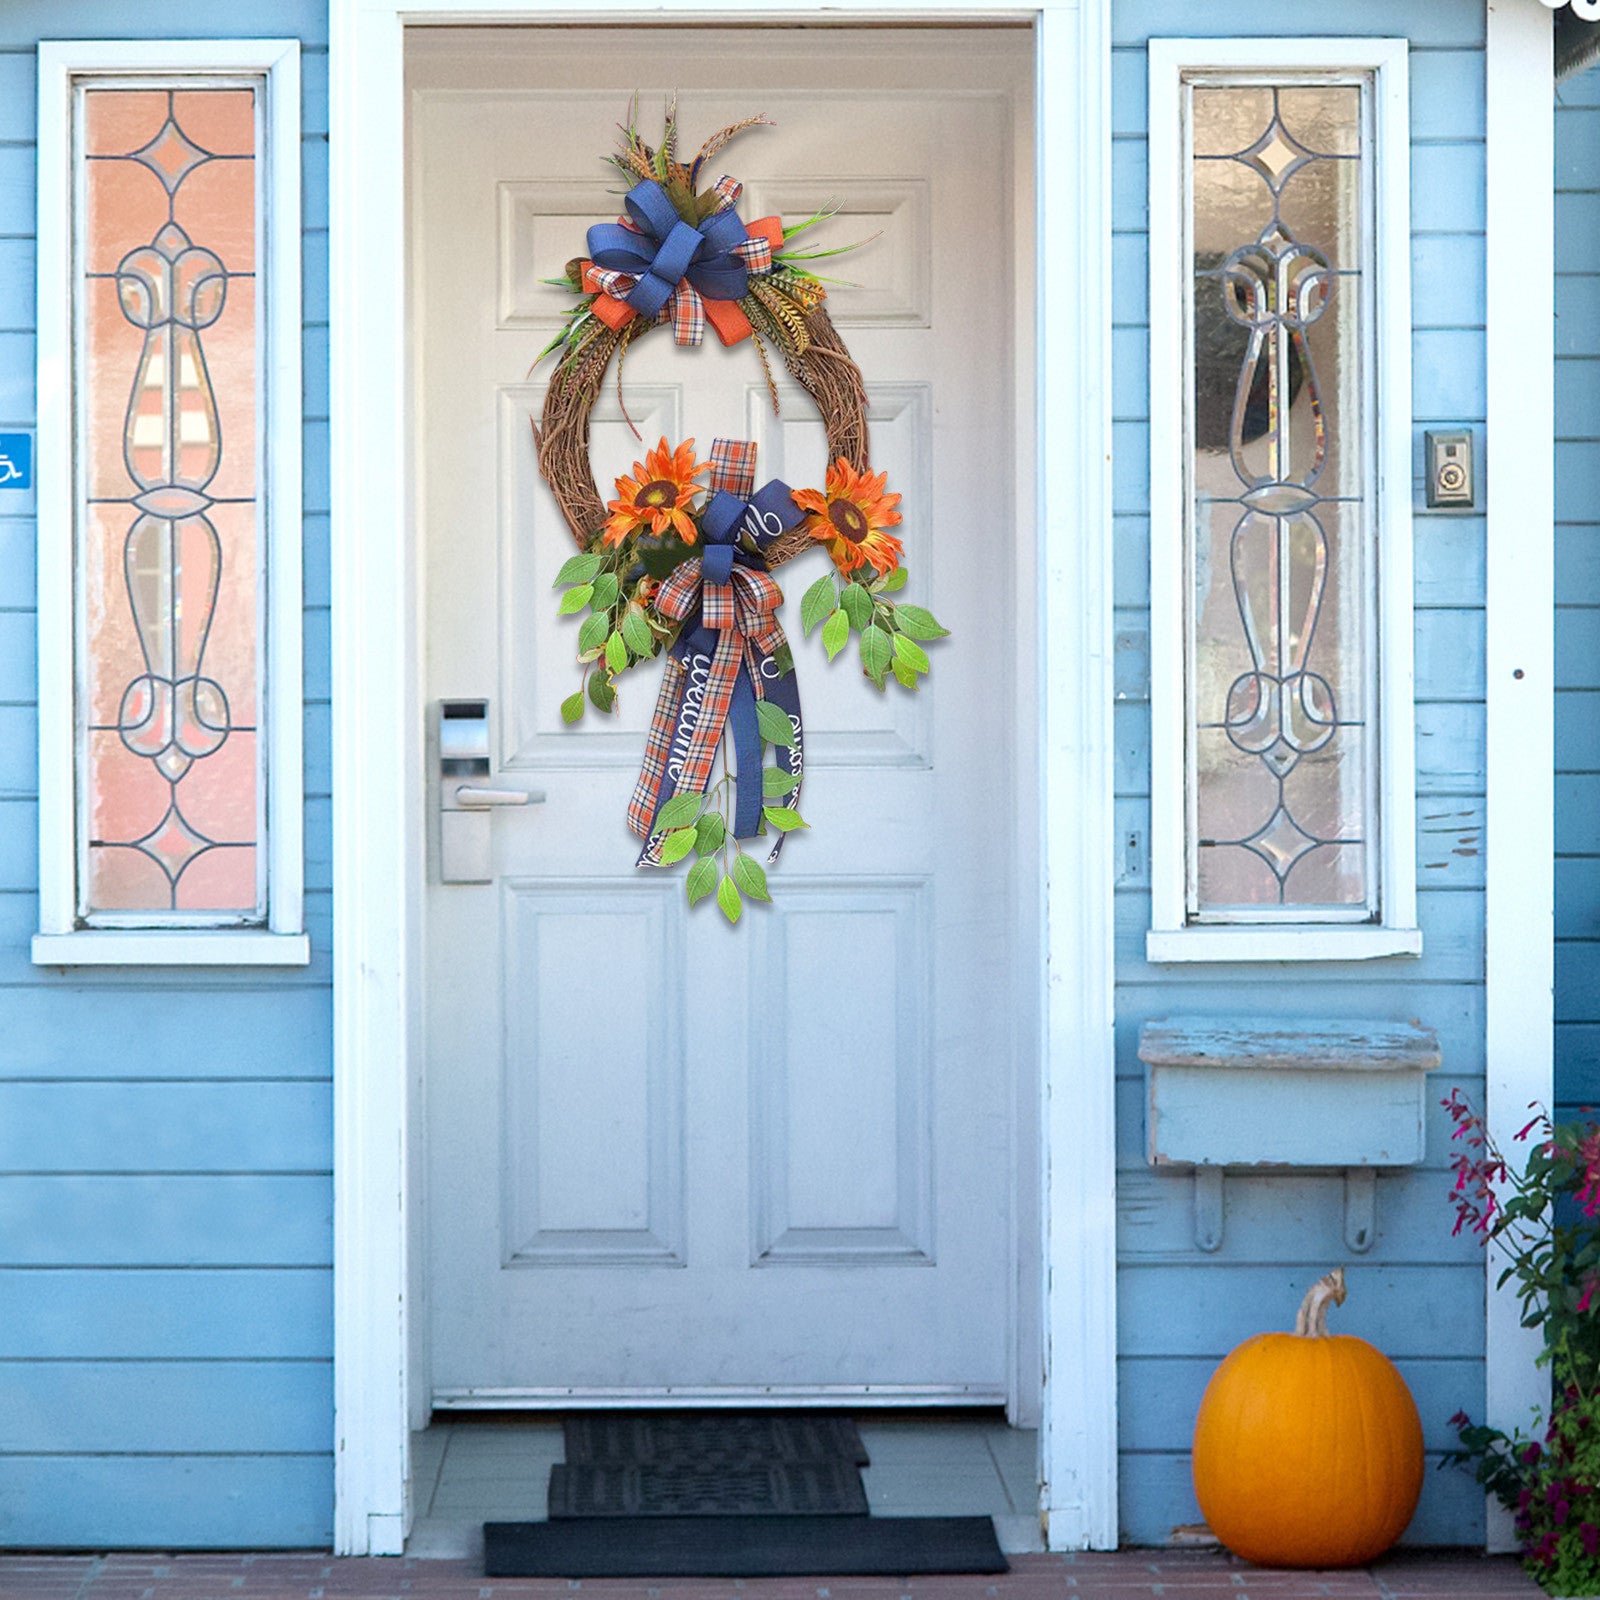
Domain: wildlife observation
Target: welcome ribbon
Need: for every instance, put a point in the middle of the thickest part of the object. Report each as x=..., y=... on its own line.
x=725, y=661
x=652, y=264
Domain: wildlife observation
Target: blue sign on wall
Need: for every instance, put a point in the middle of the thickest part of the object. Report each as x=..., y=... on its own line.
x=16, y=461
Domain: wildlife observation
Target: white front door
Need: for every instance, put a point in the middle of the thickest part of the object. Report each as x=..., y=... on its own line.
x=663, y=1154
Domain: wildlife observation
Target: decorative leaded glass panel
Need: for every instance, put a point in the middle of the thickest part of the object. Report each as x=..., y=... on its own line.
x=170, y=768
x=1282, y=746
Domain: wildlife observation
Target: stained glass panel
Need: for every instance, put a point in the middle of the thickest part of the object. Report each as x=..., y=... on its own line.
x=169, y=541
x=1282, y=747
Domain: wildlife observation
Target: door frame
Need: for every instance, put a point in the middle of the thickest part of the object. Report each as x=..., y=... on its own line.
x=378, y=824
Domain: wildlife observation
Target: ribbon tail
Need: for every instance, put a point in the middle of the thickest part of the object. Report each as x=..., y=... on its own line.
x=745, y=732
x=728, y=319
x=655, y=785
x=784, y=693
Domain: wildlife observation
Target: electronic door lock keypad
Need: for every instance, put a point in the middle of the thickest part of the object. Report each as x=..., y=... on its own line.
x=466, y=798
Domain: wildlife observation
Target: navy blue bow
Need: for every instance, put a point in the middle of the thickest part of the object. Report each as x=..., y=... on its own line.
x=767, y=513
x=666, y=249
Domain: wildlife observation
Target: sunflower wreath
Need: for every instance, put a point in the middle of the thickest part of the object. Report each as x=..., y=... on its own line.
x=680, y=562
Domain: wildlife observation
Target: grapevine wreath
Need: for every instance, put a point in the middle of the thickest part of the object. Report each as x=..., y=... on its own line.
x=680, y=563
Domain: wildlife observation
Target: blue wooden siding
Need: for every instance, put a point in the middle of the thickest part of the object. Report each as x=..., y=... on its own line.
x=166, y=1323
x=1578, y=592
x=1417, y=1294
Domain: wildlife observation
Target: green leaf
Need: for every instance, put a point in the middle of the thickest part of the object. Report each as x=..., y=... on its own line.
x=749, y=875
x=616, y=653
x=637, y=632
x=676, y=845
x=908, y=678
x=918, y=623
x=592, y=635
x=601, y=692
x=913, y=655
x=834, y=633
x=857, y=605
x=679, y=811
x=876, y=652
x=775, y=782
x=702, y=880
x=896, y=580
x=605, y=591
x=575, y=599
x=818, y=602
x=572, y=707
x=783, y=660
x=710, y=831
x=783, y=819
x=728, y=899
x=578, y=569
x=776, y=728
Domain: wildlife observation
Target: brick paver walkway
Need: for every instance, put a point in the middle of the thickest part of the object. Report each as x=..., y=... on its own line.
x=1128, y=1575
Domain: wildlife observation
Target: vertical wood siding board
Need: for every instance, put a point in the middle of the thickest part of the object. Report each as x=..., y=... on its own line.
x=16, y=377
x=19, y=860
x=17, y=657
x=1447, y=188
x=1448, y=280
x=1130, y=373
x=18, y=191
x=238, y=1126
x=19, y=753
x=1577, y=983
x=1577, y=579
x=1577, y=377
x=16, y=286
x=171, y=1314
x=167, y=1502
x=16, y=567
x=1447, y=374
x=1447, y=94
x=147, y=1032
x=1577, y=814
x=166, y=1407
x=1578, y=730
x=166, y=1221
x=18, y=112
x=1450, y=562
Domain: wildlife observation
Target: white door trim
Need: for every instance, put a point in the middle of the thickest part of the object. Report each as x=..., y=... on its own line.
x=1519, y=935
x=377, y=737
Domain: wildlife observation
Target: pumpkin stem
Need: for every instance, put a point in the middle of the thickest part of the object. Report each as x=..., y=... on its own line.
x=1311, y=1322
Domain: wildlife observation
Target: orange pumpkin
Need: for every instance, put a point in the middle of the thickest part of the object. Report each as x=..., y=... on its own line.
x=1308, y=1448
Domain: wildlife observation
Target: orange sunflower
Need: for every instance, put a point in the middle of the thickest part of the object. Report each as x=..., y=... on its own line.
x=851, y=519
x=656, y=498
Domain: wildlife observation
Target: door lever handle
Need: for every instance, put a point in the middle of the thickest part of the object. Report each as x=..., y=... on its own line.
x=473, y=798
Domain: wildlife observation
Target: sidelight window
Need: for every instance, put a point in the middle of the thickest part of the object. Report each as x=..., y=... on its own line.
x=1281, y=574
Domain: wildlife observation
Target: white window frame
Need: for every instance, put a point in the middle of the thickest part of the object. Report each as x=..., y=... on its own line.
x=1278, y=935
x=61, y=941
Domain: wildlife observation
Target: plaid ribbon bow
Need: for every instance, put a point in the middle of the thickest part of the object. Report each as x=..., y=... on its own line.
x=724, y=662
x=651, y=263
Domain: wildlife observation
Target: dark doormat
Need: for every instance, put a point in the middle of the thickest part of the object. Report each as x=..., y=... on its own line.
x=668, y=1438
x=708, y=1489
x=740, y=1547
